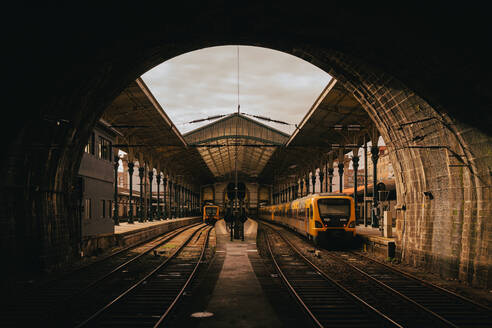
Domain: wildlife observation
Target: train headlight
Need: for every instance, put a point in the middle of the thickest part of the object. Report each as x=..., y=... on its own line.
x=352, y=224
x=318, y=224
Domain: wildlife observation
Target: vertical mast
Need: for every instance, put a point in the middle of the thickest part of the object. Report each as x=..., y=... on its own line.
x=236, y=200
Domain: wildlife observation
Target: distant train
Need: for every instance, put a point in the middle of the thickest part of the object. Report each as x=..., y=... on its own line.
x=210, y=214
x=320, y=217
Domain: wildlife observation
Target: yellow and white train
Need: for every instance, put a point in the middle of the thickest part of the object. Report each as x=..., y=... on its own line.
x=320, y=217
x=211, y=214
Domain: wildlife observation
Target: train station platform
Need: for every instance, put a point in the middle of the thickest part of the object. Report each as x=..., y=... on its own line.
x=127, y=234
x=373, y=241
x=238, y=299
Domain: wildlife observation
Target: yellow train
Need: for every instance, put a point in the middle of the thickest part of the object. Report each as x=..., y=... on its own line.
x=320, y=217
x=210, y=214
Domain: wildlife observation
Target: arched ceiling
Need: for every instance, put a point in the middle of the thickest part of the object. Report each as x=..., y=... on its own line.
x=236, y=141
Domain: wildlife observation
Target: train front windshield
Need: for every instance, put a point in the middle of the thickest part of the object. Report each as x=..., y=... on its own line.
x=211, y=210
x=334, y=211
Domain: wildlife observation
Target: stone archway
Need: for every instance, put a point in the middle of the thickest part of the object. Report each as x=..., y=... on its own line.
x=425, y=124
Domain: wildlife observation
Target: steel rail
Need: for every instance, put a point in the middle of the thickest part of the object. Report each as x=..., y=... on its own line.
x=442, y=291
x=438, y=288
x=394, y=291
x=163, y=239
x=328, y=278
x=188, y=281
x=137, y=284
x=291, y=288
x=110, y=256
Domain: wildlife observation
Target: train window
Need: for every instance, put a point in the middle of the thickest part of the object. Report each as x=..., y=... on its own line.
x=337, y=207
x=302, y=213
x=311, y=213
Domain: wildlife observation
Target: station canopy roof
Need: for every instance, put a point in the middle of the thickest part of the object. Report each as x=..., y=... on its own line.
x=149, y=134
x=335, y=121
x=236, y=137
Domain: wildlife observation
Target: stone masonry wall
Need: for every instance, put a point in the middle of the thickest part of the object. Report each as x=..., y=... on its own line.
x=442, y=170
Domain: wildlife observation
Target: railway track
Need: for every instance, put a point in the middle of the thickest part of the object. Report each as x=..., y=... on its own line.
x=54, y=301
x=450, y=308
x=148, y=302
x=325, y=301
x=425, y=303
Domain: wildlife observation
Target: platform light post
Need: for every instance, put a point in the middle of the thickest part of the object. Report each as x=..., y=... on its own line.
x=151, y=177
x=375, y=158
x=115, y=213
x=177, y=188
x=158, y=181
x=313, y=180
x=141, y=172
x=341, y=165
x=170, y=195
x=130, y=202
x=355, y=163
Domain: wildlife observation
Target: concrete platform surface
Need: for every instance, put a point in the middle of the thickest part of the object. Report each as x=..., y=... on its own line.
x=131, y=234
x=125, y=227
x=374, y=242
x=238, y=299
x=373, y=232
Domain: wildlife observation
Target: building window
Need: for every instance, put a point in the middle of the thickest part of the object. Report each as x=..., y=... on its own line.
x=110, y=208
x=103, y=208
x=104, y=149
x=88, y=208
x=89, y=148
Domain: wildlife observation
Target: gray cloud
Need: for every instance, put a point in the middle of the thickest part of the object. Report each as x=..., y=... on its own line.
x=204, y=83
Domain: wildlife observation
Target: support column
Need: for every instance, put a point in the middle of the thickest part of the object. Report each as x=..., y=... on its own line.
x=340, y=174
x=170, y=192
x=176, y=199
x=184, y=202
x=178, y=195
x=115, y=213
x=302, y=187
x=141, y=173
x=159, y=211
x=355, y=163
x=375, y=158
x=151, y=177
x=188, y=206
x=321, y=178
x=130, y=199
x=313, y=179
x=330, y=177
x=306, y=180
x=326, y=181
x=365, y=182
x=340, y=168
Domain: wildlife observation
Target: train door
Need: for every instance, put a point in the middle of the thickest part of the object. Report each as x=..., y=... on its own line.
x=306, y=219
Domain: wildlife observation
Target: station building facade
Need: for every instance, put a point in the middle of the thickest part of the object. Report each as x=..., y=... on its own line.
x=97, y=174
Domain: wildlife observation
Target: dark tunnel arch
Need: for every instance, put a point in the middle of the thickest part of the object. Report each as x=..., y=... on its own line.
x=80, y=78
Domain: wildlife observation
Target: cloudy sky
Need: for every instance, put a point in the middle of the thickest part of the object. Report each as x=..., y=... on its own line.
x=203, y=83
